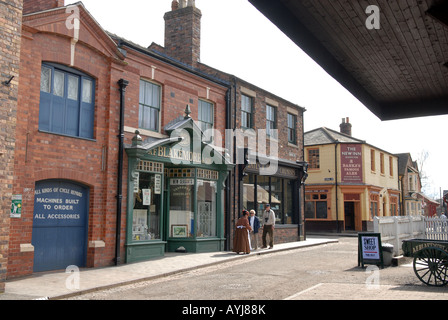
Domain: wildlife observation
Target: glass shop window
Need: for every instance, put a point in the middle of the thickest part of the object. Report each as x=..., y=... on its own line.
x=147, y=205
x=181, y=217
x=316, y=206
x=206, y=197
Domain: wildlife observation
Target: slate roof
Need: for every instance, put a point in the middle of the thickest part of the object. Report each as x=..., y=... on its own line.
x=325, y=135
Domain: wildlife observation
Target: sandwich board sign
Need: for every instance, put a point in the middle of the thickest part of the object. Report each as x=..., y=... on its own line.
x=369, y=249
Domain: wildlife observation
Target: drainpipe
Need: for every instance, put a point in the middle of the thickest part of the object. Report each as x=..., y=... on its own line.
x=123, y=84
x=229, y=176
x=338, y=229
x=234, y=147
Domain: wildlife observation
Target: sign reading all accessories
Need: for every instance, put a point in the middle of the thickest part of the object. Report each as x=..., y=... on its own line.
x=58, y=203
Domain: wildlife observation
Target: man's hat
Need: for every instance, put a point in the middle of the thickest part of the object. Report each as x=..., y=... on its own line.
x=268, y=205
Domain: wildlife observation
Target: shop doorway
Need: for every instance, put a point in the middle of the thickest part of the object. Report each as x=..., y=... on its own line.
x=349, y=215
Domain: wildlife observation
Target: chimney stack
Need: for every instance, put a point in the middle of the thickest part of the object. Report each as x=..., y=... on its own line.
x=183, y=32
x=346, y=127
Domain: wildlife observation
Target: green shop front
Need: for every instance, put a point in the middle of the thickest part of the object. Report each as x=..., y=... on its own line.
x=175, y=194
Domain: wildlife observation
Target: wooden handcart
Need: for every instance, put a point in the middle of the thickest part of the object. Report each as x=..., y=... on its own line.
x=430, y=260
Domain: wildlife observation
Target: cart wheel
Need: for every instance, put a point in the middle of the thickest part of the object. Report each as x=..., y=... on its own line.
x=430, y=266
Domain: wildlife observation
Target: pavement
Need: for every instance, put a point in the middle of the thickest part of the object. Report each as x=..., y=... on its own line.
x=67, y=283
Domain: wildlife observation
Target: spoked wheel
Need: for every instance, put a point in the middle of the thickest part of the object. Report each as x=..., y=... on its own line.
x=430, y=266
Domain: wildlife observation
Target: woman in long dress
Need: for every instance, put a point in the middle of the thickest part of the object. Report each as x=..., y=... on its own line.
x=241, y=239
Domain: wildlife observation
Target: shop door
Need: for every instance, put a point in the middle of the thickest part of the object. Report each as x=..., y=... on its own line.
x=59, y=225
x=349, y=215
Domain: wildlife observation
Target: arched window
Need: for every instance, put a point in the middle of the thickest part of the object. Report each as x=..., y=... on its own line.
x=67, y=101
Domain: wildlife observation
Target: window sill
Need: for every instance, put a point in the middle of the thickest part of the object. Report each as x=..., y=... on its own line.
x=67, y=136
x=145, y=132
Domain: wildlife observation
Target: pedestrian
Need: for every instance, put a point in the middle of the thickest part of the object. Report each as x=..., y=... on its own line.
x=444, y=222
x=241, y=238
x=268, y=226
x=255, y=225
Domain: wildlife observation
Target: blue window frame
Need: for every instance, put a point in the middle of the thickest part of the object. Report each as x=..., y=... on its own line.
x=67, y=101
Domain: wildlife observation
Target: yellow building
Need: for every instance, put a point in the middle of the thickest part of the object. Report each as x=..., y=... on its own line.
x=349, y=181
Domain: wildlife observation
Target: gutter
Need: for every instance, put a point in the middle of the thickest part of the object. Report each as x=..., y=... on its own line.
x=123, y=84
x=124, y=43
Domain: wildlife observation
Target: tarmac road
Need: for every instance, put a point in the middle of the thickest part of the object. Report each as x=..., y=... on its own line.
x=325, y=272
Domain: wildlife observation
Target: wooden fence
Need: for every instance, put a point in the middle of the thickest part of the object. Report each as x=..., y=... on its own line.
x=394, y=230
x=436, y=228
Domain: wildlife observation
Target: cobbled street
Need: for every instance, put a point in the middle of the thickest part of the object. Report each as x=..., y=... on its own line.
x=324, y=272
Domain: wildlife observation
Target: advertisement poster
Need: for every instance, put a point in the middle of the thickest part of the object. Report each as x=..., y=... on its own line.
x=16, y=206
x=370, y=248
x=351, y=163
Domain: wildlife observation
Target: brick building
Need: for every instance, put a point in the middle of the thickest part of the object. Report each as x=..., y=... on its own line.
x=253, y=114
x=106, y=160
x=412, y=201
x=76, y=81
x=10, y=28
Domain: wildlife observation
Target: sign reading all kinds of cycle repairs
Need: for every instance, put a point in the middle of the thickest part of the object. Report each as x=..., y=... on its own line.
x=369, y=249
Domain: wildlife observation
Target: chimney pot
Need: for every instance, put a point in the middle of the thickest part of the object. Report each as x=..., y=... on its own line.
x=174, y=5
x=346, y=126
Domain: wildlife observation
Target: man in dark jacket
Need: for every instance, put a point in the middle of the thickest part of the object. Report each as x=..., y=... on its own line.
x=255, y=224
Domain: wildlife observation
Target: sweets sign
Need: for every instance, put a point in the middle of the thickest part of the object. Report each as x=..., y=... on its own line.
x=351, y=163
x=370, y=249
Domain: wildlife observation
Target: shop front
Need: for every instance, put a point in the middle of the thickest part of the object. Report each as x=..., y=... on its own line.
x=175, y=194
x=282, y=190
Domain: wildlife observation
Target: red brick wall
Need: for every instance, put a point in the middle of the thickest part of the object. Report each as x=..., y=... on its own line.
x=179, y=88
x=10, y=19
x=42, y=156
x=30, y=6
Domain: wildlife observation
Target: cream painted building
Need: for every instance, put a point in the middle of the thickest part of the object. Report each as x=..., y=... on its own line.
x=349, y=181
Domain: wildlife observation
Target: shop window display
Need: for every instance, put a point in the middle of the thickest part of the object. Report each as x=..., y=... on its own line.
x=206, y=196
x=181, y=217
x=147, y=205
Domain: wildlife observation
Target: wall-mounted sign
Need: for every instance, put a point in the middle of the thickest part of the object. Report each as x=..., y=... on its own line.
x=182, y=182
x=351, y=163
x=16, y=206
x=157, y=183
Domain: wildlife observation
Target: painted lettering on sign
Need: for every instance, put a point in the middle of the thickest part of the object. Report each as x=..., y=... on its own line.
x=370, y=248
x=351, y=163
x=58, y=203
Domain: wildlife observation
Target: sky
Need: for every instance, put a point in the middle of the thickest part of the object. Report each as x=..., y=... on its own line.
x=236, y=38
